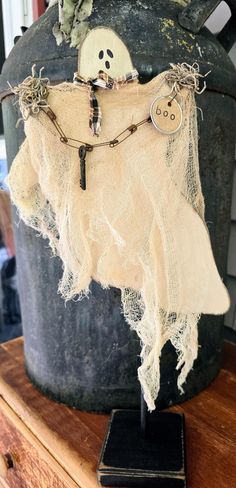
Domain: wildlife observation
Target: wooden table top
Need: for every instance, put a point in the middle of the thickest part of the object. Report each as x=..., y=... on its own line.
x=75, y=438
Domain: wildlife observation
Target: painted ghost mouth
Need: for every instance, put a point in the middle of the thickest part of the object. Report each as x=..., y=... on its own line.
x=109, y=53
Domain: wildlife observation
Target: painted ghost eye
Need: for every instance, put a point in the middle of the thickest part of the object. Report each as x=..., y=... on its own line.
x=107, y=64
x=101, y=55
x=110, y=53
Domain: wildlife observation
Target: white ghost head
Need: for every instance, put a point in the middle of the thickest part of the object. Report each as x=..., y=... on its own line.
x=102, y=49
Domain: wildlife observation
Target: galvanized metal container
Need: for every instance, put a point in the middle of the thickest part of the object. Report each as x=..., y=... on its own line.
x=83, y=354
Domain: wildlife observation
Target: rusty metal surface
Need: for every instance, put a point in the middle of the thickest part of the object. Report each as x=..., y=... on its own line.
x=151, y=31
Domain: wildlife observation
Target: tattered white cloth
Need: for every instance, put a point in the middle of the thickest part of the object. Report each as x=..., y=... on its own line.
x=139, y=226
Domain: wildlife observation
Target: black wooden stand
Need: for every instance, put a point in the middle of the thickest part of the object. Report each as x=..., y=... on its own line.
x=143, y=454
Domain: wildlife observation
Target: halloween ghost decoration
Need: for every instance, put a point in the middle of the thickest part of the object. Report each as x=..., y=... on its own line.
x=110, y=66
x=103, y=50
x=139, y=226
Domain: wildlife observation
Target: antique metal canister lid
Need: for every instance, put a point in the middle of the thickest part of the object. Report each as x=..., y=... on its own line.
x=152, y=32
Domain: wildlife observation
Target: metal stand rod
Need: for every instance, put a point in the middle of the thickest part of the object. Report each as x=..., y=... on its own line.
x=143, y=417
x=143, y=411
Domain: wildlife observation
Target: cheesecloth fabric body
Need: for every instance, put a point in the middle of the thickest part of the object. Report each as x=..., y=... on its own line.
x=139, y=226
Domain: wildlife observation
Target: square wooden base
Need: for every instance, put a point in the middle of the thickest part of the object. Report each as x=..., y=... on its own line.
x=128, y=460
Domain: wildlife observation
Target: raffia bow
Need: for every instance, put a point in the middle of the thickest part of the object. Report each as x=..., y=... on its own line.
x=184, y=75
x=32, y=94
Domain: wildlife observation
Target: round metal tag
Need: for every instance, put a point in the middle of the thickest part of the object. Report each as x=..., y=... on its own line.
x=166, y=114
